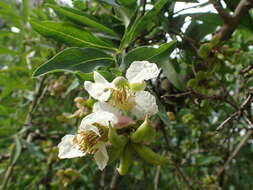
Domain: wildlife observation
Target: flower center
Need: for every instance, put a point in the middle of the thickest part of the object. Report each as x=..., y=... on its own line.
x=122, y=98
x=86, y=140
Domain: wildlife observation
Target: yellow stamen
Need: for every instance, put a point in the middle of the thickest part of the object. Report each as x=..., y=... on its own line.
x=85, y=140
x=122, y=98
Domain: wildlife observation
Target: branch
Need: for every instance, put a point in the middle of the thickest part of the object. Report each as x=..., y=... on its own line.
x=218, y=6
x=229, y=27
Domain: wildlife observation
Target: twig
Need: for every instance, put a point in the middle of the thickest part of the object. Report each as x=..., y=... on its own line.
x=115, y=180
x=235, y=152
x=102, y=180
x=28, y=121
x=226, y=121
x=144, y=2
x=156, y=178
x=241, y=110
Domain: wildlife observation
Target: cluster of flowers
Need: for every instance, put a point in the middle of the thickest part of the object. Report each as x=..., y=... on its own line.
x=120, y=103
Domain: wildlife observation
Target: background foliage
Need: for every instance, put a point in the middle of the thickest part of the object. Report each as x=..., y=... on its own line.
x=205, y=83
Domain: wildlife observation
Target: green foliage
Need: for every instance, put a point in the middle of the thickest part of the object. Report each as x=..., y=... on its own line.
x=75, y=59
x=47, y=51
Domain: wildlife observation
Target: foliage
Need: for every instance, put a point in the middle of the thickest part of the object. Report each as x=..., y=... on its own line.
x=48, y=49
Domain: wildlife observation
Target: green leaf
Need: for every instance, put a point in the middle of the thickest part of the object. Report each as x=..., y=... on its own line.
x=4, y=50
x=208, y=18
x=26, y=9
x=162, y=113
x=82, y=19
x=160, y=56
x=75, y=59
x=109, y=76
x=69, y=34
x=16, y=151
x=141, y=23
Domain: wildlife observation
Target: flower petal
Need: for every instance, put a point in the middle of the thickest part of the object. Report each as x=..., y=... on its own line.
x=86, y=124
x=98, y=78
x=101, y=156
x=98, y=91
x=100, y=117
x=103, y=106
x=145, y=104
x=141, y=70
x=67, y=149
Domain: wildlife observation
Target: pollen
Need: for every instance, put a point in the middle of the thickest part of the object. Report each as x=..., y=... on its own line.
x=86, y=140
x=122, y=98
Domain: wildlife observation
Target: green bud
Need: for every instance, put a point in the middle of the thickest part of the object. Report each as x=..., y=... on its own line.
x=120, y=82
x=144, y=133
x=126, y=160
x=149, y=155
x=220, y=56
x=89, y=103
x=215, y=40
x=137, y=86
x=114, y=154
x=205, y=50
x=117, y=141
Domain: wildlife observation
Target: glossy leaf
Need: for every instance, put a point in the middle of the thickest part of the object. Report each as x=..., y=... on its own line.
x=16, y=151
x=141, y=23
x=68, y=34
x=82, y=19
x=75, y=59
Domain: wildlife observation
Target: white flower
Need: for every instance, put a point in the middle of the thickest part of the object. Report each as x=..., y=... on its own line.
x=91, y=136
x=127, y=94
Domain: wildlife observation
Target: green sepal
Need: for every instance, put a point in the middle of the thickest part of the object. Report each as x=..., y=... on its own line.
x=144, y=133
x=205, y=50
x=126, y=160
x=114, y=154
x=149, y=155
x=117, y=141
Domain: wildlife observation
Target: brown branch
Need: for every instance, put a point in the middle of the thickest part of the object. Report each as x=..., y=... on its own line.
x=218, y=6
x=115, y=180
x=229, y=27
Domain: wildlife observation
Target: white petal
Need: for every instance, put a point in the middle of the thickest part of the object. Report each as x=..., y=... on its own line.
x=145, y=104
x=67, y=149
x=86, y=124
x=141, y=70
x=98, y=78
x=101, y=156
x=103, y=106
x=100, y=117
x=97, y=90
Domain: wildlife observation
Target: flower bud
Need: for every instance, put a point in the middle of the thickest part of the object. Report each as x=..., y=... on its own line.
x=149, y=155
x=126, y=160
x=205, y=50
x=114, y=154
x=144, y=133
